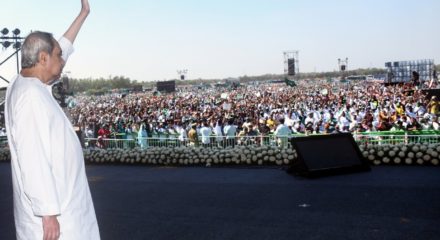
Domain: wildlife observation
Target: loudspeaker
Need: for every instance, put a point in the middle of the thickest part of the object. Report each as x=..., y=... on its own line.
x=343, y=67
x=166, y=86
x=324, y=155
x=182, y=77
x=291, y=66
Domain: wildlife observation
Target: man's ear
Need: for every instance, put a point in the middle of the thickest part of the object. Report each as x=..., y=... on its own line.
x=42, y=58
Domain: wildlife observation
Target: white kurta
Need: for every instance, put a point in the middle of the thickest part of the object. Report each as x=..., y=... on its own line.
x=48, y=172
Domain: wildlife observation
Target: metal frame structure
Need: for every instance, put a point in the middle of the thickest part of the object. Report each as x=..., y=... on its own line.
x=182, y=73
x=15, y=40
x=343, y=64
x=294, y=54
x=401, y=71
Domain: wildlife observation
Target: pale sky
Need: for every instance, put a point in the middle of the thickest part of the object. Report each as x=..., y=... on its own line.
x=150, y=40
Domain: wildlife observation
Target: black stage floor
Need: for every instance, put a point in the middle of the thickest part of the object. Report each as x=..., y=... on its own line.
x=255, y=203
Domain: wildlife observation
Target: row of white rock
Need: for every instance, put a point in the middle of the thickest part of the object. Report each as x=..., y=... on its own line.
x=195, y=156
x=411, y=154
x=407, y=154
x=420, y=154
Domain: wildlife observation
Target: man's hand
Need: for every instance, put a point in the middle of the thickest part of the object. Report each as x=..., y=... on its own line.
x=51, y=227
x=74, y=28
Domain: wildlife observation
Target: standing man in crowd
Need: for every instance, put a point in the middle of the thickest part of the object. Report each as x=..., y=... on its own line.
x=434, y=106
x=206, y=132
x=282, y=133
x=52, y=198
x=193, y=137
x=415, y=79
x=230, y=131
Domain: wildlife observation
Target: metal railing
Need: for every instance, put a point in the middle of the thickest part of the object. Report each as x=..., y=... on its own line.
x=3, y=142
x=396, y=138
x=209, y=142
x=371, y=138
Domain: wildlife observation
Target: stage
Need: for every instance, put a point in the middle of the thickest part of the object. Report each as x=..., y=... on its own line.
x=138, y=202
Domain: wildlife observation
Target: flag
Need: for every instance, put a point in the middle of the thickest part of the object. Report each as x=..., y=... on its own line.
x=290, y=83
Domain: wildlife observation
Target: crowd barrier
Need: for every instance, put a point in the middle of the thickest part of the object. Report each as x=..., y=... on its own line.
x=171, y=141
x=366, y=138
x=397, y=137
x=390, y=148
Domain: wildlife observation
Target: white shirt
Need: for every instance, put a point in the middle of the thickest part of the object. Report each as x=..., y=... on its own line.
x=48, y=173
x=205, y=132
x=218, y=132
x=309, y=120
x=435, y=126
x=182, y=133
x=344, y=121
x=230, y=131
x=282, y=131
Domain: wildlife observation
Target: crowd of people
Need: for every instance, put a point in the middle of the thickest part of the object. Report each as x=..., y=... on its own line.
x=257, y=109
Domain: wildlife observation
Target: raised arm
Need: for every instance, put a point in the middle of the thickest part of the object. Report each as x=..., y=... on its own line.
x=74, y=28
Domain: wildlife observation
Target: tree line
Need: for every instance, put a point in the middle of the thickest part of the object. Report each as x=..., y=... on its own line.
x=103, y=85
x=100, y=85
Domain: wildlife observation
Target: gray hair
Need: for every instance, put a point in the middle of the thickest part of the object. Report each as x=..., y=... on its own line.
x=33, y=45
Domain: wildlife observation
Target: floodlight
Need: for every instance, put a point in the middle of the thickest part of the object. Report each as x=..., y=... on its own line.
x=16, y=31
x=5, y=31
x=6, y=44
x=14, y=40
x=17, y=45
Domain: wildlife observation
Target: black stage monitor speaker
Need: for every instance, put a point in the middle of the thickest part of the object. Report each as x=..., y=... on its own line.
x=324, y=155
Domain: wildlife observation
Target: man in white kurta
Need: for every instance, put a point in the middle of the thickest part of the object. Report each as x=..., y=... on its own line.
x=282, y=132
x=48, y=172
x=47, y=163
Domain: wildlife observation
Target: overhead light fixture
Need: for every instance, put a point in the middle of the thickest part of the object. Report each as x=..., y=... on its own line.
x=5, y=31
x=17, y=45
x=6, y=44
x=11, y=39
x=16, y=31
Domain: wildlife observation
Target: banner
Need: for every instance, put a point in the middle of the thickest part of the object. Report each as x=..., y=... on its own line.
x=290, y=83
x=227, y=106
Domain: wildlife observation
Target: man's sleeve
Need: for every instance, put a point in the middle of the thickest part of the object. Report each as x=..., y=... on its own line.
x=34, y=153
x=66, y=48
